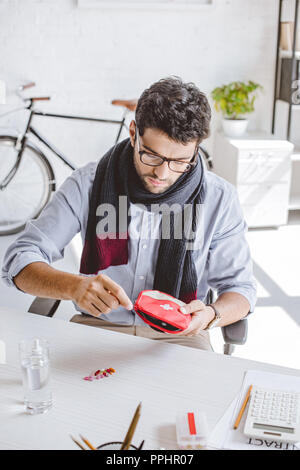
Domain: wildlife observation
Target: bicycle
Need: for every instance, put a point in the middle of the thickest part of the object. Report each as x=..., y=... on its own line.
x=27, y=178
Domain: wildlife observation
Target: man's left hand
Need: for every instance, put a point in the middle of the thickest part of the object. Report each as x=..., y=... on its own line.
x=201, y=315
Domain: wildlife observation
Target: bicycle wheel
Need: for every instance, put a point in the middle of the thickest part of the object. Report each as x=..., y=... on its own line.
x=30, y=188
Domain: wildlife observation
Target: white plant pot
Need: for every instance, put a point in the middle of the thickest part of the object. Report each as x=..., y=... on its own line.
x=234, y=127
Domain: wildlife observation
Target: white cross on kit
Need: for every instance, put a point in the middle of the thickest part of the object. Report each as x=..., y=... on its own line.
x=166, y=307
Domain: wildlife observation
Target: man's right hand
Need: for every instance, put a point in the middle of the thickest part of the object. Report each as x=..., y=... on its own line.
x=100, y=294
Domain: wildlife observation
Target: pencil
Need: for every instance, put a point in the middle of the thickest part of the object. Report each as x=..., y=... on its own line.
x=131, y=429
x=88, y=443
x=238, y=419
x=77, y=442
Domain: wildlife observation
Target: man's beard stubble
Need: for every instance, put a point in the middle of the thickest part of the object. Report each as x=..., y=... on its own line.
x=147, y=185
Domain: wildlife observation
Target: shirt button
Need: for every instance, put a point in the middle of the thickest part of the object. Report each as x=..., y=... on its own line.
x=145, y=246
x=142, y=277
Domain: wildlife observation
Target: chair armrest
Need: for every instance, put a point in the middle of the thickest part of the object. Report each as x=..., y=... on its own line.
x=236, y=333
x=45, y=307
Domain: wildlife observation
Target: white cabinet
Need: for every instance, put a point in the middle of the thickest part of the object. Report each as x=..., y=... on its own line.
x=260, y=167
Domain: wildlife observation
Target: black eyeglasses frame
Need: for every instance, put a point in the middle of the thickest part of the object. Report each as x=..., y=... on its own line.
x=191, y=163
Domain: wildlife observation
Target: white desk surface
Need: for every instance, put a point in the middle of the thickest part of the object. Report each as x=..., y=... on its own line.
x=165, y=377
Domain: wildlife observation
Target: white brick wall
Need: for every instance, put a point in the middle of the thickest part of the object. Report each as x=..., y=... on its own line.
x=87, y=57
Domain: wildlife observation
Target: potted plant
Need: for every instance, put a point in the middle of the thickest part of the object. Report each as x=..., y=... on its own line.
x=235, y=100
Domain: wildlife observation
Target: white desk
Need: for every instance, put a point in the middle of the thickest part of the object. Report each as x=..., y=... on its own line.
x=163, y=376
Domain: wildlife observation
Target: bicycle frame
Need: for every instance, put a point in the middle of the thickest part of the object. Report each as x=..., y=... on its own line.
x=21, y=143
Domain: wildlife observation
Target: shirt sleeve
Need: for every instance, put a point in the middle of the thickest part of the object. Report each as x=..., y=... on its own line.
x=229, y=261
x=45, y=238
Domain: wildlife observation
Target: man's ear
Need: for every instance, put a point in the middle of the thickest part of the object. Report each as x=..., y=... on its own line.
x=132, y=132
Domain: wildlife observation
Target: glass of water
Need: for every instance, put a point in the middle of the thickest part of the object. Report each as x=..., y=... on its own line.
x=35, y=365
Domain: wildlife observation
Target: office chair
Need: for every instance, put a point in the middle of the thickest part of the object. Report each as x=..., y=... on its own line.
x=234, y=334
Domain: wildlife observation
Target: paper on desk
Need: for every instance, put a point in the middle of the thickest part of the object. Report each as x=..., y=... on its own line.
x=216, y=438
x=224, y=436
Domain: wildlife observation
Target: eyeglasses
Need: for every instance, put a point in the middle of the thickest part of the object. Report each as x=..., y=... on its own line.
x=156, y=160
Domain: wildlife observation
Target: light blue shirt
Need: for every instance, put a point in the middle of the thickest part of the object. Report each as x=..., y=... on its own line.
x=223, y=263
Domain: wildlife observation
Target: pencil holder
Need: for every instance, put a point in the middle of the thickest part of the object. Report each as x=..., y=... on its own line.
x=116, y=445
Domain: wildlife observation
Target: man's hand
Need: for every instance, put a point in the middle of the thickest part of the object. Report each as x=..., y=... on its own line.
x=100, y=294
x=201, y=316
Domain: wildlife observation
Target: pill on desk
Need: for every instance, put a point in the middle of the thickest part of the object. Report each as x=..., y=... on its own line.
x=100, y=374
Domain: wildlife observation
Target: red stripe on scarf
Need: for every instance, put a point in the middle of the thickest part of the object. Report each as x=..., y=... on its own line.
x=188, y=297
x=100, y=254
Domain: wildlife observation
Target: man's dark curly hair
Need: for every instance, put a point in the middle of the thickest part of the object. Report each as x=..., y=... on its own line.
x=178, y=109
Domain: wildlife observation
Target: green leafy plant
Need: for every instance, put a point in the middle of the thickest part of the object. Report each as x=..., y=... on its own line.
x=235, y=99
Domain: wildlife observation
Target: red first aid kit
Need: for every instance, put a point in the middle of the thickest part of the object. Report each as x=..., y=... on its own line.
x=161, y=311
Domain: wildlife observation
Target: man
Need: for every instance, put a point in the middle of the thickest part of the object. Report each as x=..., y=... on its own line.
x=128, y=250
